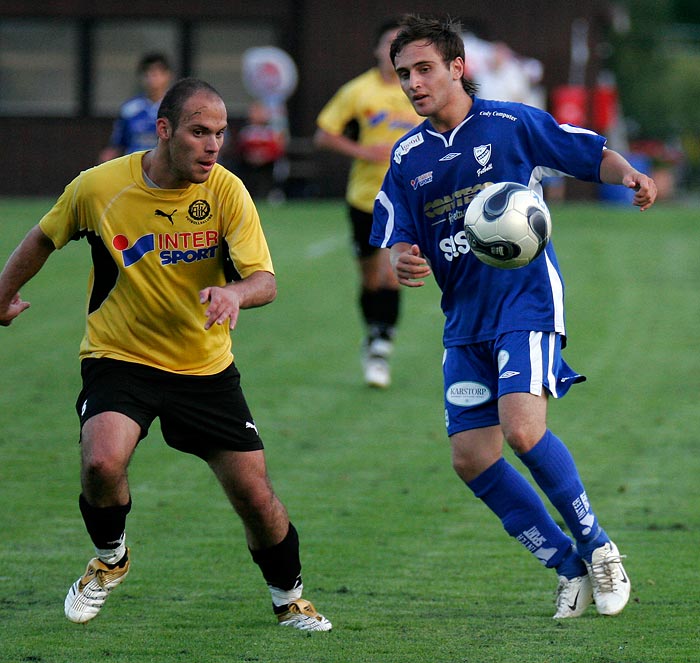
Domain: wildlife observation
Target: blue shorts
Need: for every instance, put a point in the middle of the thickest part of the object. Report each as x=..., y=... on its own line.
x=477, y=375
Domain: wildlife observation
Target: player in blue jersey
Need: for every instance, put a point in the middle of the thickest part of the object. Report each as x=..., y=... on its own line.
x=504, y=329
x=135, y=128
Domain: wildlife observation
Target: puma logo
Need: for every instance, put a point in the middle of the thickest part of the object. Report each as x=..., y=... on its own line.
x=169, y=217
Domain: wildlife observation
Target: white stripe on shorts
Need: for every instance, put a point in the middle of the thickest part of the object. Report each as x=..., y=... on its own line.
x=551, y=378
x=536, y=363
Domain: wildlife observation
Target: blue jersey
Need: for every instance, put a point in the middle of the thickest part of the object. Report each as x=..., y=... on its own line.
x=430, y=182
x=135, y=128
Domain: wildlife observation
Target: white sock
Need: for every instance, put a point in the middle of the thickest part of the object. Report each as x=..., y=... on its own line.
x=111, y=555
x=282, y=597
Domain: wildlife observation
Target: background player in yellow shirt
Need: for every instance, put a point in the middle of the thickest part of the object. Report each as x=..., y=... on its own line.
x=374, y=102
x=163, y=225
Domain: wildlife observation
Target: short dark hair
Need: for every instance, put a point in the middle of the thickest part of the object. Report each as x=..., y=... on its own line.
x=176, y=97
x=445, y=34
x=382, y=28
x=150, y=59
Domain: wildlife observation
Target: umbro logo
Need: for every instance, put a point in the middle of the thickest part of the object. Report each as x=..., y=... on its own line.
x=450, y=156
x=508, y=374
x=169, y=217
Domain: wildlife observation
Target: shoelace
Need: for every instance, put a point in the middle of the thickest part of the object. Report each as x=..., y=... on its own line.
x=604, y=574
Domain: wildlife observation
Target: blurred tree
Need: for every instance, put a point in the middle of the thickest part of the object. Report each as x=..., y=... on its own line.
x=657, y=64
x=686, y=11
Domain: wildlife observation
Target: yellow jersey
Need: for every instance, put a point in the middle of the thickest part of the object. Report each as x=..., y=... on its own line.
x=153, y=250
x=383, y=113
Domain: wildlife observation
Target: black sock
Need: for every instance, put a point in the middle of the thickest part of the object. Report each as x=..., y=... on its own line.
x=105, y=525
x=280, y=564
x=380, y=310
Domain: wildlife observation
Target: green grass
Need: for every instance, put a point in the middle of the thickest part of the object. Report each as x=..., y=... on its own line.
x=409, y=567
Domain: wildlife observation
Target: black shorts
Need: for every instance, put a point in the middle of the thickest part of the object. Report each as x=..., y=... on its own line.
x=199, y=414
x=361, y=223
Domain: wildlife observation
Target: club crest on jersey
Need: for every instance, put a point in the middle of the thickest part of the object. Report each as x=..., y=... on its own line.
x=199, y=212
x=482, y=154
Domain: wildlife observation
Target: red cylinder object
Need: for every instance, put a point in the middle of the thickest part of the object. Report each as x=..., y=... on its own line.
x=604, y=107
x=569, y=104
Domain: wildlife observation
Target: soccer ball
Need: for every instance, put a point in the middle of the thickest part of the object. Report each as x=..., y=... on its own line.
x=507, y=225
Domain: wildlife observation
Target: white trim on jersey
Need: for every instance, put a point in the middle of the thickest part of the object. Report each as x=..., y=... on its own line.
x=573, y=129
x=386, y=203
x=448, y=141
x=539, y=173
x=557, y=296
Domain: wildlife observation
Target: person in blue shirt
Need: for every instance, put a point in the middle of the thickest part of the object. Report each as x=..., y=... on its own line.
x=135, y=128
x=504, y=329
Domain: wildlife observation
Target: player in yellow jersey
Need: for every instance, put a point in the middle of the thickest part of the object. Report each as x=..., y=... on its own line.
x=375, y=102
x=163, y=225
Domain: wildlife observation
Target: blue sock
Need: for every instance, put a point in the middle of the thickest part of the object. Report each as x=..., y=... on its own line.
x=571, y=566
x=553, y=468
x=509, y=495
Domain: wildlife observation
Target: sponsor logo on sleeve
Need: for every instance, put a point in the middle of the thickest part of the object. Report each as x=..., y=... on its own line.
x=406, y=146
x=422, y=180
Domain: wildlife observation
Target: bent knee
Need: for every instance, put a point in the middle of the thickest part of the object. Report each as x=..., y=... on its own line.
x=104, y=466
x=470, y=466
x=522, y=439
x=253, y=496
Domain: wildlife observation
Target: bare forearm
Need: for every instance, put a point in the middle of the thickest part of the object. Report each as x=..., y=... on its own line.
x=225, y=303
x=615, y=169
x=26, y=260
x=258, y=289
x=337, y=143
x=374, y=153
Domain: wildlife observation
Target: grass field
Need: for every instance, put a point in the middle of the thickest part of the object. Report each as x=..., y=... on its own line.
x=397, y=553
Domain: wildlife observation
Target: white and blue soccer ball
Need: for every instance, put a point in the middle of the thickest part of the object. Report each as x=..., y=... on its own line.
x=507, y=225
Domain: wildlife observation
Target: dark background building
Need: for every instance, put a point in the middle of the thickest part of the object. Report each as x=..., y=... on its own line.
x=66, y=64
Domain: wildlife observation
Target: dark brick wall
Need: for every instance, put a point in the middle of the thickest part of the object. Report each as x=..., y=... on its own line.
x=331, y=41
